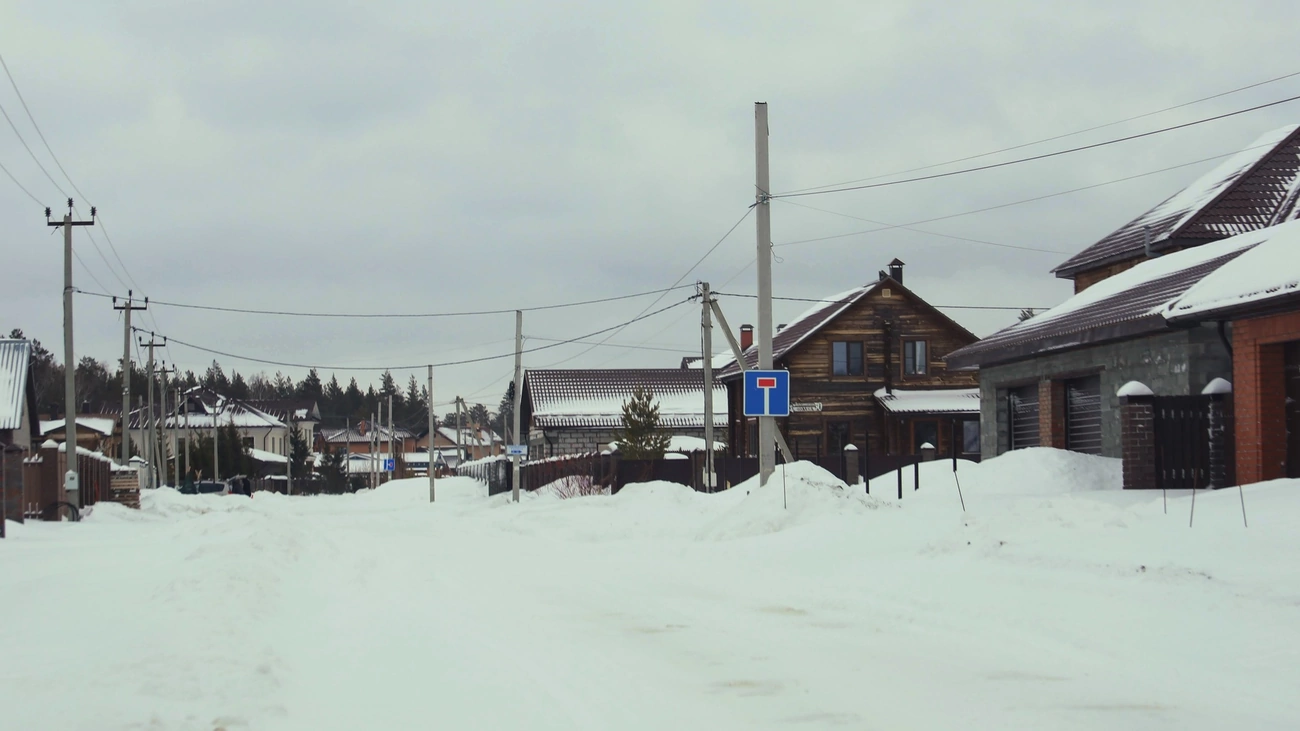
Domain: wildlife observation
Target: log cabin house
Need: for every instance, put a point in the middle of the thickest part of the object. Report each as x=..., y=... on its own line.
x=866, y=368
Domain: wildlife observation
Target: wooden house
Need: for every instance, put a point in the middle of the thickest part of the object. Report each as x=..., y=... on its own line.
x=866, y=368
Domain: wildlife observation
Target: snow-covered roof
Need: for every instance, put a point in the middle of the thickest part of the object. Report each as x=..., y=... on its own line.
x=354, y=435
x=930, y=400
x=101, y=424
x=470, y=437
x=15, y=357
x=1127, y=304
x=683, y=443
x=594, y=398
x=797, y=330
x=1256, y=188
x=262, y=455
x=1267, y=272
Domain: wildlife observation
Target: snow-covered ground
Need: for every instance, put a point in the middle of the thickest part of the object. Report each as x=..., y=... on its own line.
x=1052, y=603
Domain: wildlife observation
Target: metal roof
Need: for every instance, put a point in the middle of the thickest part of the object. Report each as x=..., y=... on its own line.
x=1256, y=188
x=15, y=359
x=930, y=400
x=1127, y=304
x=594, y=398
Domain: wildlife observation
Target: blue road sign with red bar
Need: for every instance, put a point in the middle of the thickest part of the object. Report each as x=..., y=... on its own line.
x=767, y=393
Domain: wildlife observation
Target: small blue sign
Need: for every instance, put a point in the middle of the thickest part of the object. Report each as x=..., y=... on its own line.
x=767, y=393
x=389, y=466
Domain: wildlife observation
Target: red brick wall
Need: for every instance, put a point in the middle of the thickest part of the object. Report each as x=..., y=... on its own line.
x=1259, y=391
x=1051, y=414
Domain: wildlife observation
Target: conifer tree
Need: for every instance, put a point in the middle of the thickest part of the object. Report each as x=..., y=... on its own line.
x=640, y=437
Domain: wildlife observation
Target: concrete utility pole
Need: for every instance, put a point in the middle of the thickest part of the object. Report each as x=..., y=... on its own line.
x=519, y=388
x=288, y=462
x=71, y=482
x=187, y=434
x=432, y=441
x=160, y=431
x=216, y=471
x=459, y=456
x=127, y=308
x=151, y=440
x=763, y=206
x=706, y=332
x=392, y=438
x=176, y=438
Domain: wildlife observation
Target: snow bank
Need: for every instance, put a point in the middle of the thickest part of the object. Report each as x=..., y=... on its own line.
x=1036, y=471
x=796, y=495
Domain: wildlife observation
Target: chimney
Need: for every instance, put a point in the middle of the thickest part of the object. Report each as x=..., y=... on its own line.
x=1146, y=242
x=780, y=327
x=746, y=336
x=896, y=270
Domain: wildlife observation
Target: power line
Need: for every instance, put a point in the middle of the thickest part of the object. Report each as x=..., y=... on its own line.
x=467, y=361
x=830, y=302
x=476, y=313
x=1054, y=137
x=675, y=285
x=21, y=187
x=27, y=147
x=906, y=227
x=1012, y=203
x=1043, y=156
x=626, y=346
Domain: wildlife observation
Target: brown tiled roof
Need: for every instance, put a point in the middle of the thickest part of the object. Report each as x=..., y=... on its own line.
x=594, y=398
x=1254, y=189
x=1128, y=304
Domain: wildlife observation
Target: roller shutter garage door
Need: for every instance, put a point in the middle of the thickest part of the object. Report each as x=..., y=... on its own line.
x=1083, y=415
x=1022, y=406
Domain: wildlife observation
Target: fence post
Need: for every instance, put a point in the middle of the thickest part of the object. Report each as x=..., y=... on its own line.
x=916, y=476
x=900, y=480
x=1219, y=392
x=1138, y=438
x=851, y=464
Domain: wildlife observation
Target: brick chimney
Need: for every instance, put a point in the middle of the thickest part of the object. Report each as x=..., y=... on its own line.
x=746, y=336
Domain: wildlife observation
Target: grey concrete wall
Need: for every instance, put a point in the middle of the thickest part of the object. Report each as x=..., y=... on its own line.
x=1173, y=363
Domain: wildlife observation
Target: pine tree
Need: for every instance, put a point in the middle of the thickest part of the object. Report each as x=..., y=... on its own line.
x=310, y=387
x=506, y=412
x=238, y=388
x=299, y=451
x=640, y=437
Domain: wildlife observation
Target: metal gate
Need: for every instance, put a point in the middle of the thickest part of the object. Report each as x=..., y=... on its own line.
x=1022, y=403
x=1182, y=435
x=1083, y=415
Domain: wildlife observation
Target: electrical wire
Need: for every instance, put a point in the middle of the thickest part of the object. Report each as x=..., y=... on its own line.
x=1012, y=203
x=21, y=187
x=675, y=285
x=906, y=227
x=414, y=366
x=408, y=315
x=828, y=302
x=27, y=147
x=1043, y=156
x=1052, y=138
x=626, y=346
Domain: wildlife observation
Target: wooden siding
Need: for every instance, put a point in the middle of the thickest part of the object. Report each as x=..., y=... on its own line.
x=881, y=323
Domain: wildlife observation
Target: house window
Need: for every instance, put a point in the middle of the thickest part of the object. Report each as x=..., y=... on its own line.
x=924, y=432
x=970, y=437
x=846, y=358
x=839, y=434
x=915, y=358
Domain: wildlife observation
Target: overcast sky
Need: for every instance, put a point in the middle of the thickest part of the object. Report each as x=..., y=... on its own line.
x=430, y=157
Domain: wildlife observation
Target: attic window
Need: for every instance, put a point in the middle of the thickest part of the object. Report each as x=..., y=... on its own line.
x=886, y=293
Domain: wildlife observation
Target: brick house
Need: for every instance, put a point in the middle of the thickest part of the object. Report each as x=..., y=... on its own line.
x=1052, y=380
x=1257, y=298
x=580, y=411
x=866, y=368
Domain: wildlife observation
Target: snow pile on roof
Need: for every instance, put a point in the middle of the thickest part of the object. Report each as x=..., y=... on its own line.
x=101, y=424
x=262, y=455
x=15, y=356
x=595, y=398
x=1269, y=270
x=931, y=400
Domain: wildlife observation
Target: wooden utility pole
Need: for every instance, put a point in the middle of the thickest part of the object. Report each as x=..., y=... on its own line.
x=706, y=338
x=432, y=440
x=151, y=442
x=763, y=215
x=127, y=308
x=519, y=371
x=71, y=482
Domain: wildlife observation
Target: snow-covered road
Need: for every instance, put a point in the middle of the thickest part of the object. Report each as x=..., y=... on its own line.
x=659, y=608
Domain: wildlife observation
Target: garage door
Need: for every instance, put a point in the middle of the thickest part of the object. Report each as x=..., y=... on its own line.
x=1022, y=404
x=1083, y=415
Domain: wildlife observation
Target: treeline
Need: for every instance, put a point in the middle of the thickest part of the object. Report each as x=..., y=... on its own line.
x=99, y=385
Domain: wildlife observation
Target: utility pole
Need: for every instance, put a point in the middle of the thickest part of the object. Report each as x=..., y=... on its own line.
x=71, y=482
x=519, y=370
x=288, y=462
x=187, y=434
x=151, y=440
x=432, y=441
x=459, y=457
x=127, y=308
x=160, y=431
x=706, y=332
x=176, y=438
x=216, y=467
x=763, y=206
